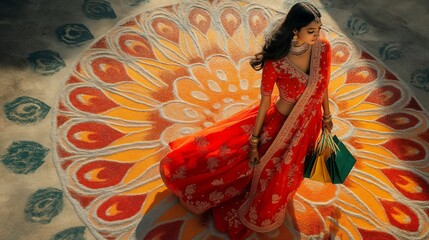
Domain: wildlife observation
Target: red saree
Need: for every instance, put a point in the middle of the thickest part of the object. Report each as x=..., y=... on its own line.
x=209, y=169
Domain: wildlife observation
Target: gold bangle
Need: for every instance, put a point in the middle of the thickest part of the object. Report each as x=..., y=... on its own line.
x=254, y=144
x=254, y=137
x=327, y=120
x=253, y=140
x=327, y=115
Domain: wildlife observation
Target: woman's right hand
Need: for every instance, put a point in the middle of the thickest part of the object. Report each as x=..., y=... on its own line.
x=253, y=157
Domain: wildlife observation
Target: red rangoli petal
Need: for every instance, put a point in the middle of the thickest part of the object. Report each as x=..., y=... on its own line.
x=362, y=74
x=102, y=174
x=384, y=96
x=401, y=216
x=408, y=183
x=399, y=121
x=136, y=45
x=118, y=208
x=231, y=21
x=200, y=19
x=405, y=149
x=257, y=22
x=166, y=29
x=91, y=100
x=109, y=70
x=92, y=135
x=340, y=53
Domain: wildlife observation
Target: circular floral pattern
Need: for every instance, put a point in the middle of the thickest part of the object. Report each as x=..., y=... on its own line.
x=174, y=70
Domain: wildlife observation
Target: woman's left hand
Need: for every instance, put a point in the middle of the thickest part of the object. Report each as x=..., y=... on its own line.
x=328, y=125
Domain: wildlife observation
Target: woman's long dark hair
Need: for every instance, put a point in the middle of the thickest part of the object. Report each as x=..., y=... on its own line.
x=278, y=44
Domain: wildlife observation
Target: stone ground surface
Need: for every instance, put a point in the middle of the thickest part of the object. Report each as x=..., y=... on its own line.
x=395, y=32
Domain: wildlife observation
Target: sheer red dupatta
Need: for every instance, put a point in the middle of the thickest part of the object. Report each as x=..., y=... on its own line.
x=280, y=172
x=209, y=169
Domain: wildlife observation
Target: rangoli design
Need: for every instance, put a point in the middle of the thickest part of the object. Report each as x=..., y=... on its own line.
x=174, y=70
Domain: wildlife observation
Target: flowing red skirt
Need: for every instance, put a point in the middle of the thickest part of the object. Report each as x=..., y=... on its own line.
x=209, y=170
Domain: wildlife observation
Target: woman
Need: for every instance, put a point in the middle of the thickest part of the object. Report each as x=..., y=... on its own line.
x=246, y=168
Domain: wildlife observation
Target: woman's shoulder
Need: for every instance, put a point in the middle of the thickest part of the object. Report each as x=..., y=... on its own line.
x=271, y=62
x=272, y=65
x=276, y=61
x=326, y=45
x=325, y=41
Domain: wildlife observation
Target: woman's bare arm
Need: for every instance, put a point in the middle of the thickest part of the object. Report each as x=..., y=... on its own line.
x=325, y=104
x=254, y=140
x=327, y=118
x=262, y=112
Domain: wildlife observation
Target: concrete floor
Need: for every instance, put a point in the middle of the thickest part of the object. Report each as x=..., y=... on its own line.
x=393, y=31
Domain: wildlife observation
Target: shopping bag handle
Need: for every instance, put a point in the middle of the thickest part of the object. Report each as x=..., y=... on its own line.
x=326, y=141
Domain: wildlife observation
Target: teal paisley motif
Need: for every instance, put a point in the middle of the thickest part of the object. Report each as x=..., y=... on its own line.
x=391, y=51
x=26, y=110
x=135, y=2
x=328, y=3
x=74, y=233
x=98, y=9
x=46, y=62
x=420, y=79
x=73, y=34
x=24, y=157
x=43, y=205
x=357, y=26
x=287, y=4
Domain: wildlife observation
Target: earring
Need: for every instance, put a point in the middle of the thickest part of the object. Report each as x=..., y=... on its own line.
x=298, y=50
x=295, y=40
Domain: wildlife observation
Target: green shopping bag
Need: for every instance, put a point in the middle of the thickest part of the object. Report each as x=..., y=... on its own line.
x=309, y=163
x=315, y=167
x=341, y=163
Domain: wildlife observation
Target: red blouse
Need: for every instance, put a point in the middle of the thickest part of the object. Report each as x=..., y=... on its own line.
x=290, y=80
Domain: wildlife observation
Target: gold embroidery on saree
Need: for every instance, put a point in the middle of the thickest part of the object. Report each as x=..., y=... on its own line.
x=279, y=143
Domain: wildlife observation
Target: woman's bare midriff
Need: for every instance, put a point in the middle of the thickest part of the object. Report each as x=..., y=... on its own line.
x=284, y=107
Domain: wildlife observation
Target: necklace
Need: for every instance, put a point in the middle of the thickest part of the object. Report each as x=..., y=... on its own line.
x=297, y=51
